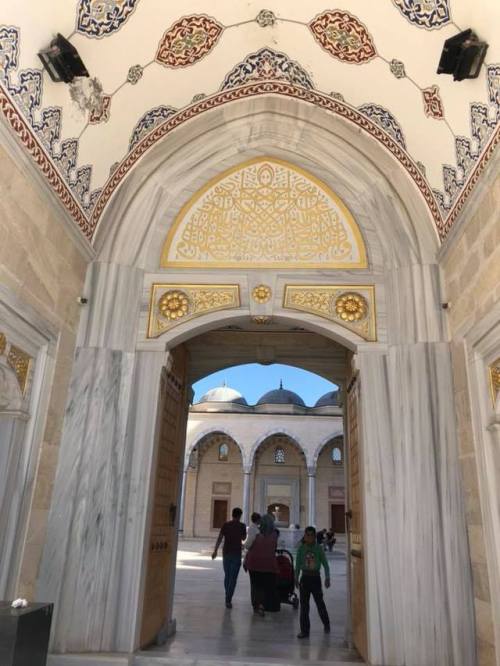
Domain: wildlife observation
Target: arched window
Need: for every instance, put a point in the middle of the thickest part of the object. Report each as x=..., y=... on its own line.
x=279, y=455
x=223, y=452
x=337, y=455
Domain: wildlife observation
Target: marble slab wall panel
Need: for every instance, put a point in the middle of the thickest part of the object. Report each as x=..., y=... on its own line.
x=436, y=611
x=109, y=319
x=12, y=487
x=413, y=301
x=88, y=513
x=383, y=574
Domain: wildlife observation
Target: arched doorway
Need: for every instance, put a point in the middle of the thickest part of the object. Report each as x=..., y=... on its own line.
x=402, y=370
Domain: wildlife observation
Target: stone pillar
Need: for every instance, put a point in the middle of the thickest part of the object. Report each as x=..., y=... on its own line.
x=417, y=570
x=311, y=475
x=246, y=496
x=183, y=500
x=92, y=566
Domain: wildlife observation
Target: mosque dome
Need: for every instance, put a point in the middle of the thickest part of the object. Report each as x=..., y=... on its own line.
x=223, y=394
x=281, y=396
x=330, y=399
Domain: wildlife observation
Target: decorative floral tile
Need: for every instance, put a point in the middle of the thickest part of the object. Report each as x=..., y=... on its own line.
x=429, y=14
x=343, y=36
x=99, y=18
x=267, y=64
x=188, y=40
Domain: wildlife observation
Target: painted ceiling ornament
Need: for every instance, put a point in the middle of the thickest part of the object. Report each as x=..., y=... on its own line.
x=148, y=122
x=338, y=96
x=265, y=65
x=264, y=213
x=343, y=36
x=188, y=40
x=433, y=106
x=173, y=305
x=351, y=306
x=429, y=14
x=198, y=97
x=101, y=113
x=265, y=18
x=135, y=74
x=100, y=18
x=494, y=85
x=386, y=120
x=261, y=293
x=398, y=68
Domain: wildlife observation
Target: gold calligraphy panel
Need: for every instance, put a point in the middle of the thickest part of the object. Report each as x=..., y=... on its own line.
x=352, y=307
x=173, y=304
x=494, y=371
x=265, y=213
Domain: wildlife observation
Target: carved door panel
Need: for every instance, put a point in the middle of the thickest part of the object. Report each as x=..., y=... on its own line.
x=171, y=434
x=355, y=524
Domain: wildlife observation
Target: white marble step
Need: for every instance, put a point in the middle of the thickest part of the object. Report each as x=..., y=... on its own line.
x=148, y=660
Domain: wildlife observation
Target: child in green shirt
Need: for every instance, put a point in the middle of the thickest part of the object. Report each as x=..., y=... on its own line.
x=310, y=557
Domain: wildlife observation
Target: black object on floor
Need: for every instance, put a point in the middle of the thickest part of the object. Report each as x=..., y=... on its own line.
x=24, y=634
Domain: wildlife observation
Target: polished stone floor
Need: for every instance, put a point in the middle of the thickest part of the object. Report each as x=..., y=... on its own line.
x=209, y=634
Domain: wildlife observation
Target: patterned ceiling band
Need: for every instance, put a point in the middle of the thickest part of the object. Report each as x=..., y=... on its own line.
x=173, y=304
x=353, y=307
x=264, y=213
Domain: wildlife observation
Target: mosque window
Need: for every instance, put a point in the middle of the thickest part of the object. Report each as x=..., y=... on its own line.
x=279, y=455
x=337, y=455
x=223, y=452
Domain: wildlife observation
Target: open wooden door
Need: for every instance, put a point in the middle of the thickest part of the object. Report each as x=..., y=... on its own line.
x=355, y=522
x=171, y=436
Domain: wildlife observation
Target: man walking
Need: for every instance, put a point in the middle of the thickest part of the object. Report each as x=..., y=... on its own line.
x=233, y=532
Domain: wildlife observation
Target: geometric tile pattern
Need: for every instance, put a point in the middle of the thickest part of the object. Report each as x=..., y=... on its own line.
x=188, y=40
x=99, y=18
x=429, y=14
x=343, y=36
x=265, y=65
x=386, y=120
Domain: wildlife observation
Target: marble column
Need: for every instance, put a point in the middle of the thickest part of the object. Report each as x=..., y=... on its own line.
x=93, y=562
x=182, y=500
x=246, y=496
x=417, y=570
x=311, y=475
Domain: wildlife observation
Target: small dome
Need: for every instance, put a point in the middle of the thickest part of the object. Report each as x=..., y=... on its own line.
x=281, y=396
x=223, y=394
x=330, y=399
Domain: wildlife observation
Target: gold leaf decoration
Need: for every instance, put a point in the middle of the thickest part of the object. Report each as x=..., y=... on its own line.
x=173, y=304
x=264, y=213
x=261, y=319
x=352, y=307
x=20, y=362
x=494, y=371
x=3, y=343
x=261, y=293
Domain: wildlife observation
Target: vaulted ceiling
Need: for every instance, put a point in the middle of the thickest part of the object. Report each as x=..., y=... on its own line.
x=161, y=64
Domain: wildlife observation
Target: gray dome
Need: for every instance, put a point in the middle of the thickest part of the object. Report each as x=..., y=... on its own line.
x=330, y=399
x=281, y=397
x=223, y=394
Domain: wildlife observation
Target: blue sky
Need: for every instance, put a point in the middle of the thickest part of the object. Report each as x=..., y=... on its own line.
x=253, y=380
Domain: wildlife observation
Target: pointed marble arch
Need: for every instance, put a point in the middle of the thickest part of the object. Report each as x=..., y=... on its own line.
x=204, y=433
x=295, y=440
x=324, y=442
x=264, y=213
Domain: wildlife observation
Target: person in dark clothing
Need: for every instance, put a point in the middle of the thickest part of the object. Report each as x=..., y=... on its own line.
x=233, y=532
x=261, y=564
x=310, y=558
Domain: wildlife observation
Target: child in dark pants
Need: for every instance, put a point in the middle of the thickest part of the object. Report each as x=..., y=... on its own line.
x=309, y=559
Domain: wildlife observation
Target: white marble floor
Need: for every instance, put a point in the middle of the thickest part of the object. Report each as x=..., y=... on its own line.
x=208, y=634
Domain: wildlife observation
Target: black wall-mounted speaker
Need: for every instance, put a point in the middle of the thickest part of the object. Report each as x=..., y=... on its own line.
x=462, y=56
x=61, y=60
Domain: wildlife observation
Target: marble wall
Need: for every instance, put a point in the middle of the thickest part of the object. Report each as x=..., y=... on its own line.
x=471, y=268
x=42, y=269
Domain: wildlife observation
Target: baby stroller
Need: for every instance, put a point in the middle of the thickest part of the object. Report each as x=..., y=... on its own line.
x=286, y=578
